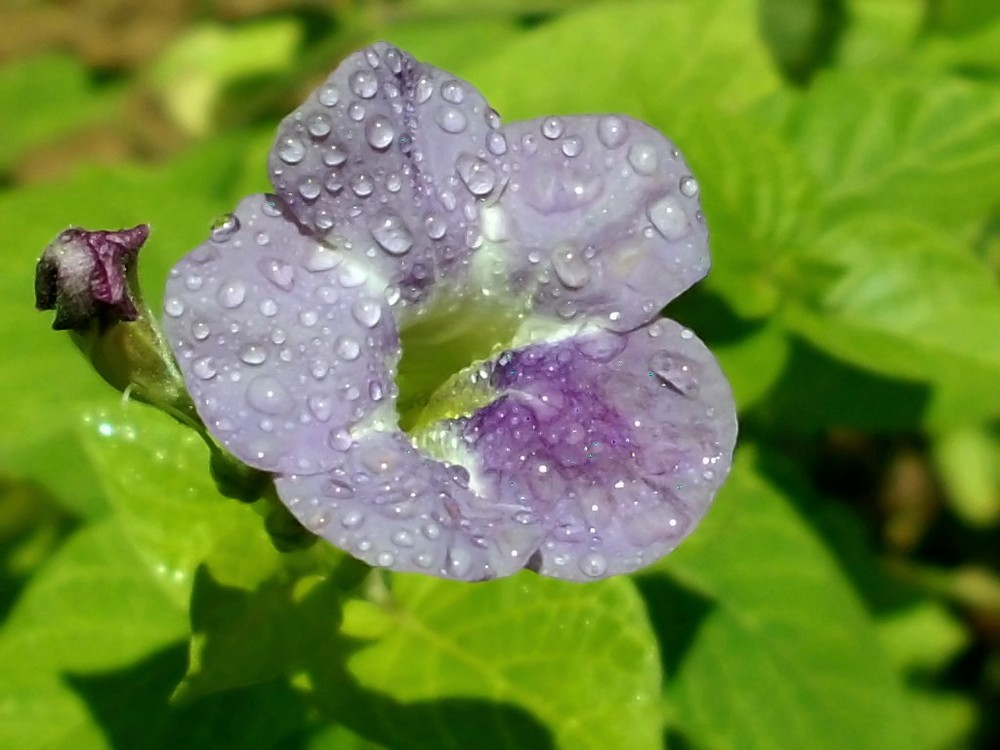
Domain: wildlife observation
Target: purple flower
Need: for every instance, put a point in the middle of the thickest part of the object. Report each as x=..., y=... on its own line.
x=441, y=334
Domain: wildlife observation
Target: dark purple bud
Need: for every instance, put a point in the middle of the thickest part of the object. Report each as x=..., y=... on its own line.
x=85, y=277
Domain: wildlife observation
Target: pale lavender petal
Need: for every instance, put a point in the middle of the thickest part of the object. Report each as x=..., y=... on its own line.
x=616, y=442
x=387, y=158
x=600, y=219
x=283, y=342
x=393, y=506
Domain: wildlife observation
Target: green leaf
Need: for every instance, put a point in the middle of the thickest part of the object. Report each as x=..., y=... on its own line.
x=155, y=475
x=968, y=462
x=879, y=33
x=924, y=147
x=582, y=659
x=628, y=57
x=765, y=644
x=44, y=98
x=92, y=607
x=909, y=302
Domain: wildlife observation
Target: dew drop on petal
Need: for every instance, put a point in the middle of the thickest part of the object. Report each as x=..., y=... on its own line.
x=367, y=312
x=277, y=272
x=364, y=84
x=173, y=307
x=391, y=233
x=379, y=132
x=570, y=267
x=254, y=354
x=268, y=396
x=291, y=150
x=351, y=275
x=436, y=226
x=452, y=91
x=689, y=186
x=496, y=143
x=572, y=146
x=642, y=157
x=328, y=95
x=552, y=127
x=362, y=185
x=593, y=564
x=200, y=331
x=611, y=131
x=225, y=227
x=341, y=440
x=270, y=205
x=231, y=293
x=669, y=218
x=321, y=406
x=318, y=125
x=477, y=175
x=348, y=348
x=675, y=371
x=204, y=368
x=451, y=120
x=310, y=188
x=334, y=155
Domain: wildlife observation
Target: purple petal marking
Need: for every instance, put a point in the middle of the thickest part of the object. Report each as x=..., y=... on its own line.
x=388, y=157
x=282, y=344
x=394, y=507
x=602, y=216
x=616, y=442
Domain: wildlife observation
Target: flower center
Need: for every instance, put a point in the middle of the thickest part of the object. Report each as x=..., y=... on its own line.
x=442, y=344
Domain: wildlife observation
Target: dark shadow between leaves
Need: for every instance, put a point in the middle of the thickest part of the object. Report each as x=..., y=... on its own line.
x=676, y=614
x=132, y=706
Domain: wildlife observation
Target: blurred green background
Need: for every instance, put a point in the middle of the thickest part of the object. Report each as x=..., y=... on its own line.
x=843, y=591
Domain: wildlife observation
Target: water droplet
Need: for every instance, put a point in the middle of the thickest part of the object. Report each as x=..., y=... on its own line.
x=262, y=238
x=687, y=334
x=173, y=307
x=362, y=185
x=611, y=131
x=193, y=282
x=308, y=318
x=436, y=226
x=318, y=125
x=231, y=293
x=386, y=559
x=372, y=57
x=310, y=188
x=268, y=396
x=375, y=390
x=452, y=91
x=425, y=89
x=268, y=307
x=402, y=538
x=593, y=564
x=334, y=155
x=364, y=84
x=459, y=562
x=572, y=145
x=675, y=371
x=393, y=59
x=204, y=368
x=277, y=272
x=321, y=406
x=356, y=111
x=391, y=233
x=570, y=268
x=351, y=275
x=318, y=368
x=379, y=132
x=642, y=157
x=451, y=120
x=320, y=258
x=341, y=440
x=689, y=186
x=392, y=294
x=328, y=95
x=254, y=354
x=552, y=127
x=393, y=182
x=291, y=150
x=496, y=143
x=431, y=530
x=348, y=348
x=367, y=312
x=669, y=218
x=200, y=331
x=352, y=519
x=477, y=175
x=225, y=227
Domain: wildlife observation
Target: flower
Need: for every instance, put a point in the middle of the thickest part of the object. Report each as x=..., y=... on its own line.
x=441, y=334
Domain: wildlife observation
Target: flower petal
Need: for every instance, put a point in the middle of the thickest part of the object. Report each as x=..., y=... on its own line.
x=616, y=442
x=388, y=157
x=283, y=343
x=600, y=218
x=393, y=506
